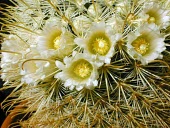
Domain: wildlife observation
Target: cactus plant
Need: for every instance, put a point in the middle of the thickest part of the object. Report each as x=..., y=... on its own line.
x=87, y=63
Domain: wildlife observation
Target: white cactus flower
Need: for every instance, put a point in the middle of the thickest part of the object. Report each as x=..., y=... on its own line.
x=78, y=71
x=54, y=42
x=13, y=51
x=99, y=43
x=146, y=44
x=35, y=71
x=153, y=13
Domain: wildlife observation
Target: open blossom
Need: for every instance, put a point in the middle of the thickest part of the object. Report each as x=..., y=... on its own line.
x=99, y=42
x=35, y=69
x=154, y=13
x=78, y=72
x=146, y=44
x=14, y=50
x=55, y=41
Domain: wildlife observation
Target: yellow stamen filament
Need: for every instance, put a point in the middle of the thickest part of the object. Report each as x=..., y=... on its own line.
x=57, y=42
x=141, y=45
x=100, y=46
x=82, y=68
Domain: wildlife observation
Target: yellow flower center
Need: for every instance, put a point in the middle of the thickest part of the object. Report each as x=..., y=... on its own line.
x=57, y=42
x=151, y=20
x=100, y=46
x=99, y=43
x=140, y=45
x=82, y=68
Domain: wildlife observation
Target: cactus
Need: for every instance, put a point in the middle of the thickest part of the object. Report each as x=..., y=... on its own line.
x=87, y=63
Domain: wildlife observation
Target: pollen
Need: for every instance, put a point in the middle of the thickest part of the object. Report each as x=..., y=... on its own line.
x=151, y=20
x=100, y=46
x=82, y=68
x=141, y=45
x=57, y=42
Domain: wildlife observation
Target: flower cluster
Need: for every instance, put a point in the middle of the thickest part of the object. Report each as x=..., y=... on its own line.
x=104, y=56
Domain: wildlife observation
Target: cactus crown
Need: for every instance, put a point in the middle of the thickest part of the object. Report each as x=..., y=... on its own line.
x=88, y=63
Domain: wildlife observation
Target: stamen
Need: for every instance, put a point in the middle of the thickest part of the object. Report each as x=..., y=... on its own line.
x=100, y=46
x=57, y=42
x=151, y=20
x=140, y=45
x=82, y=68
